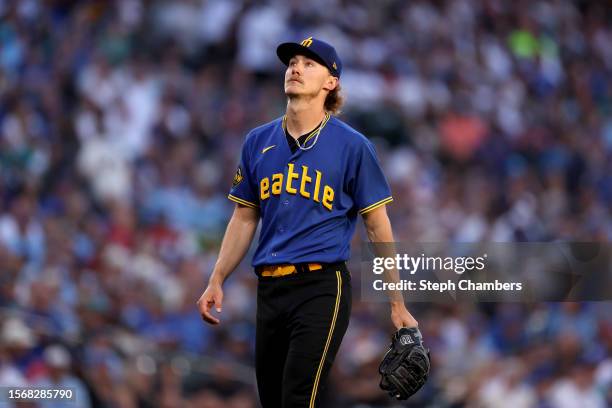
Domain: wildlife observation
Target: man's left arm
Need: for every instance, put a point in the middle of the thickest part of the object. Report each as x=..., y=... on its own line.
x=379, y=230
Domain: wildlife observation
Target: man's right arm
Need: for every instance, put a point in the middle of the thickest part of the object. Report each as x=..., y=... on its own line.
x=236, y=243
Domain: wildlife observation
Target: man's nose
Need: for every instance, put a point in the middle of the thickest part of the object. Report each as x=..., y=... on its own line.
x=296, y=69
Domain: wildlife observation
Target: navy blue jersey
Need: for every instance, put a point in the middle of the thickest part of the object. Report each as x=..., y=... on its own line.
x=308, y=200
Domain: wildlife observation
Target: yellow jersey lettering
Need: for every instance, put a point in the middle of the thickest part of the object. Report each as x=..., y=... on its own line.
x=290, y=176
x=315, y=195
x=280, y=182
x=305, y=179
x=328, y=197
x=277, y=183
x=264, y=184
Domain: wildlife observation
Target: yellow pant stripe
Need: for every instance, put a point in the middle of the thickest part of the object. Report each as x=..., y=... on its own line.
x=241, y=201
x=329, y=337
x=376, y=205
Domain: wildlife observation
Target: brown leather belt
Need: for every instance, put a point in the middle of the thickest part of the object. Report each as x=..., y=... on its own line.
x=286, y=269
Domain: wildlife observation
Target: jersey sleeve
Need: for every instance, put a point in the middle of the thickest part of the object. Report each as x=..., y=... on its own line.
x=243, y=189
x=370, y=189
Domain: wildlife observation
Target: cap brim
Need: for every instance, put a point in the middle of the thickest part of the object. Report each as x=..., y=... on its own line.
x=286, y=51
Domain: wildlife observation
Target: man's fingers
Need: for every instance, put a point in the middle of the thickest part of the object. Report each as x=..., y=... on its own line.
x=209, y=318
x=218, y=300
x=205, y=306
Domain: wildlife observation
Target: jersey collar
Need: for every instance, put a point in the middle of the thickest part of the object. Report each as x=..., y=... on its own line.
x=302, y=140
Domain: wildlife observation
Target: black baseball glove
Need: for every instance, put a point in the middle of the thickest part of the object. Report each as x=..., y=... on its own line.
x=405, y=367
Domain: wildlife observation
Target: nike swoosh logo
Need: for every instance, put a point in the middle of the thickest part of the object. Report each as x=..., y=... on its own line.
x=267, y=148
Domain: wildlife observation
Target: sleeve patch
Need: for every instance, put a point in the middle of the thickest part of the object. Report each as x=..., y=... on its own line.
x=237, y=177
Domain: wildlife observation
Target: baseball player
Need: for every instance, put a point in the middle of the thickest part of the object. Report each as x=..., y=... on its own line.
x=307, y=176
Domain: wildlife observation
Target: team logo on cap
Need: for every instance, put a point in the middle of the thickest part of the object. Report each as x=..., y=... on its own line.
x=306, y=42
x=335, y=66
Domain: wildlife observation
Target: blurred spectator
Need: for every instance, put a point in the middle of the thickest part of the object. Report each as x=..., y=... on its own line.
x=58, y=361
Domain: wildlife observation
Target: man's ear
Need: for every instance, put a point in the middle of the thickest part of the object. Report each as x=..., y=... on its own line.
x=331, y=83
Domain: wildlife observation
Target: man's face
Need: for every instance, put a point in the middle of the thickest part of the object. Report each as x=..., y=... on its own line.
x=306, y=77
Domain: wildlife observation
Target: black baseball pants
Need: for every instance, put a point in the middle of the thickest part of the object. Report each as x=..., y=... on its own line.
x=301, y=320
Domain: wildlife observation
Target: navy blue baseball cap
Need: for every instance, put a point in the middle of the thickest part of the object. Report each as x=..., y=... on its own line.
x=316, y=49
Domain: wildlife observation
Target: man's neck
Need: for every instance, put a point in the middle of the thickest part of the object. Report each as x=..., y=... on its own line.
x=303, y=116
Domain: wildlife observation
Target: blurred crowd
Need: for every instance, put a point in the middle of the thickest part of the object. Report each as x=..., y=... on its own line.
x=121, y=124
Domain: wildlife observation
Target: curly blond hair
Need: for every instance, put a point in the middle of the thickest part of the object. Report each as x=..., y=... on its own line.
x=334, y=101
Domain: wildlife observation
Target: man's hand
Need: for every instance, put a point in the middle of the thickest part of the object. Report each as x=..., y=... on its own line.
x=212, y=296
x=236, y=242
x=379, y=231
x=401, y=317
